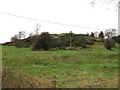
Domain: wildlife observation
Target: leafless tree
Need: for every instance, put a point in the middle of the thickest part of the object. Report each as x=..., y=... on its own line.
x=21, y=35
x=110, y=32
x=106, y=3
x=70, y=38
x=31, y=34
x=37, y=29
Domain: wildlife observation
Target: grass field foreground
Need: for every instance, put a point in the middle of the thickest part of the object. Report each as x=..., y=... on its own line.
x=82, y=68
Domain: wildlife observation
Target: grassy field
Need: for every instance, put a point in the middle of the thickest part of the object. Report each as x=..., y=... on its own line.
x=91, y=67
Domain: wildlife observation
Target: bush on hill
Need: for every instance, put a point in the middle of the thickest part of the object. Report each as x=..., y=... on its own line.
x=43, y=41
x=109, y=43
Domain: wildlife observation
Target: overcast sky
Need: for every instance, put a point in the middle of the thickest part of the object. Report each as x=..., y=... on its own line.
x=70, y=12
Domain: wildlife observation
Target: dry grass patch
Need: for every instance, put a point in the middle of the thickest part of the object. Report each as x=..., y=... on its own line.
x=11, y=79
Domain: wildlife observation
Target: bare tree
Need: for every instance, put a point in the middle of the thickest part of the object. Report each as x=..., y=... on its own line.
x=106, y=3
x=21, y=35
x=70, y=38
x=110, y=32
x=37, y=29
x=31, y=34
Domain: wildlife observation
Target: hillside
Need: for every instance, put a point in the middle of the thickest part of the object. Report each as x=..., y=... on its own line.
x=22, y=42
x=64, y=37
x=94, y=67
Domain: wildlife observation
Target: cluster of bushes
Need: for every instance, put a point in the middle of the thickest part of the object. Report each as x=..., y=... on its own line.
x=46, y=41
x=116, y=38
x=27, y=42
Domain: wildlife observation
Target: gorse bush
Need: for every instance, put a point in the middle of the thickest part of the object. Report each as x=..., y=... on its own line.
x=43, y=41
x=109, y=43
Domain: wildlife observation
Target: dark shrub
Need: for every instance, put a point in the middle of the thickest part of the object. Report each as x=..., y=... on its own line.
x=43, y=41
x=116, y=38
x=90, y=40
x=84, y=45
x=92, y=34
x=101, y=34
x=109, y=44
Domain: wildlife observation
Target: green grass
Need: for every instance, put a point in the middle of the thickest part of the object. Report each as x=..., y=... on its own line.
x=91, y=67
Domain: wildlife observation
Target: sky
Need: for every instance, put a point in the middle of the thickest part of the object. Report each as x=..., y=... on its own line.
x=68, y=12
